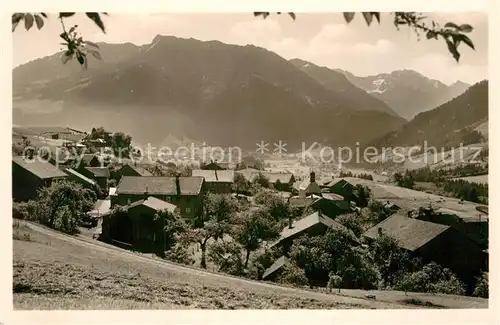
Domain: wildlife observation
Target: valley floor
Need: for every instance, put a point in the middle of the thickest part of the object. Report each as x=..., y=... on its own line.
x=55, y=271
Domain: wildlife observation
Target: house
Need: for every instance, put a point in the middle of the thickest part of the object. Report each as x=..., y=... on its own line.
x=280, y=181
x=215, y=166
x=473, y=226
x=309, y=186
x=81, y=179
x=342, y=187
x=135, y=225
x=184, y=192
x=30, y=175
x=248, y=173
x=99, y=174
x=129, y=170
x=274, y=271
x=313, y=225
x=89, y=160
x=331, y=206
x=435, y=242
x=216, y=181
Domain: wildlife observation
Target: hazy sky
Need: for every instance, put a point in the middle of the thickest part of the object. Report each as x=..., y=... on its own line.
x=325, y=39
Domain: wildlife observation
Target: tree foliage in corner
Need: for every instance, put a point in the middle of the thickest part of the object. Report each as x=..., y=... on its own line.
x=75, y=47
x=452, y=33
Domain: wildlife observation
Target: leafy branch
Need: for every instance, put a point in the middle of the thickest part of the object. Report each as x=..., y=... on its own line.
x=452, y=33
x=75, y=46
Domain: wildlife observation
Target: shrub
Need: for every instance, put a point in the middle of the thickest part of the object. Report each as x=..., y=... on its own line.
x=227, y=256
x=25, y=210
x=431, y=278
x=481, y=290
x=292, y=274
x=180, y=254
x=352, y=222
x=65, y=220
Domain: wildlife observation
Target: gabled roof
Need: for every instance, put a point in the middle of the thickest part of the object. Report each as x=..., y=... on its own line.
x=248, y=173
x=410, y=233
x=212, y=176
x=159, y=185
x=80, y=176
x=340, y=181
x=155, y=204
x=307, y=222
x=87, y=158
x=39, y=168
x=278, y=264
x=99, y=171
x=299, y=202
x=332, y=197
x=139, y=170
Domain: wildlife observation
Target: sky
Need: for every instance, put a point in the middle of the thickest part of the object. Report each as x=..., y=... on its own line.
x=323, y=38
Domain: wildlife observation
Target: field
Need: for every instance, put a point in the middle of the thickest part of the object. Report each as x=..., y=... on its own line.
x=55, y=271
x=481, y=179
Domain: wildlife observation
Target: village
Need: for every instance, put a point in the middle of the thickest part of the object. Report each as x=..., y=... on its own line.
x=269, y=220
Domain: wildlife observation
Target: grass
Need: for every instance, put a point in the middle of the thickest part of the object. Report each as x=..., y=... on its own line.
x=53, y=273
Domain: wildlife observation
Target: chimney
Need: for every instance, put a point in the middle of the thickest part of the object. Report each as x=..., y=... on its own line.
x=290, y=221
x=146, y=193
x=379, y=231
x=312, y=177
x=177, y=185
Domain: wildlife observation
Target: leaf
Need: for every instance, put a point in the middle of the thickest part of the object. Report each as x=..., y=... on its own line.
x=16, y=17
x=14, y=25
x=66, y=14
x=431, y=34
x=292, y=15
x=94, y=16
x=348, y=16
x=368, y=17
x=28, y=21
x=466, y=28
x=72, y=29
x=453, y=50
x=92, y=44
x=263, y=14
x=44, y=15
x=466, y=40
x=39, y=22
x=377, y=16
x=451, y=25
x=96, y=55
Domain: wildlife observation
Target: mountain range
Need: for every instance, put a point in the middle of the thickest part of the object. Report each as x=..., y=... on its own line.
x=405, y=92
x=464, y=120
x=214, y=92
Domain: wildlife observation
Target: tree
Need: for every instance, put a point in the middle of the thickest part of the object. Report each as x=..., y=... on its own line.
x=169, y=229
x=452, y=34
x=253, y=228
x=292, y=274
x=121, y=144
x=431, y=278
x=391, y=260
x=240, y=185
x=352, y=222
x=274, y=204
x=362, y=195
x=215, y=222
x=227, y=256
x=334, y=253
x=72, y=199
x=262, y=180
